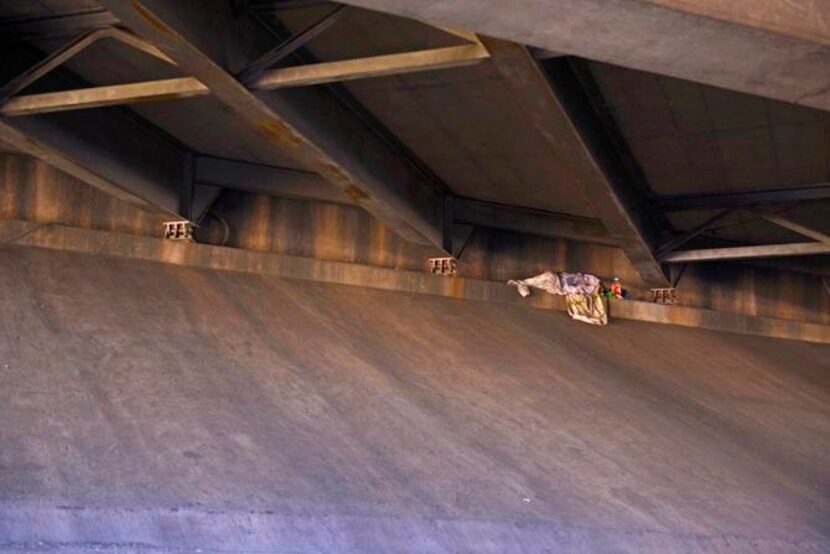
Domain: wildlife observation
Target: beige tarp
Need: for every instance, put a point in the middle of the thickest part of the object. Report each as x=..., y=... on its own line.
x=582, y=292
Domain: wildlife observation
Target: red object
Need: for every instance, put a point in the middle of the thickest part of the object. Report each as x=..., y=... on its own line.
x=616, y=288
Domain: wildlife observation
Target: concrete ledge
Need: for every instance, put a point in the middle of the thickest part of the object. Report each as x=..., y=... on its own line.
x=60, y=237
x=731, y=322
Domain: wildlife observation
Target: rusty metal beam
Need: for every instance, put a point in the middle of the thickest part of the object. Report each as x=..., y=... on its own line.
x=304, y=75
x=469, y=211
x=744, y=252
x=284, y=49
x=562, y=113
x=114, y=151
x=73, y=48
x=77, y=99
x=677, y=242
x=100, y=97
x=797, y=227
x=818, y=191
x=48, y=64
x=136, y=42
x=266, y=179
x=204, y=197
x=768, y=48
x=310, y=123
x=375, y=66
x=277, y=181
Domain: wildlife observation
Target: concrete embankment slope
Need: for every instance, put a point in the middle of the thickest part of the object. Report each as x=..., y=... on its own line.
x=153, y=408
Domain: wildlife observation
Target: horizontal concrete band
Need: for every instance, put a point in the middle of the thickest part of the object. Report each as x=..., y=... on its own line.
x=60, y=237
x=154, y=529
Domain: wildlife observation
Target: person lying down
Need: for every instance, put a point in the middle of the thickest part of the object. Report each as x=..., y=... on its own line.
x=582, y=292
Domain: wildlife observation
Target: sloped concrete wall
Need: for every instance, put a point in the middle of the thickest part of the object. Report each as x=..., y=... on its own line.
x=147, y=407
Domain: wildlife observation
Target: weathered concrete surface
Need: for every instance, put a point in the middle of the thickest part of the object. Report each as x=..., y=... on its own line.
x=785, y=60
x=147, y=408
x=66, y=238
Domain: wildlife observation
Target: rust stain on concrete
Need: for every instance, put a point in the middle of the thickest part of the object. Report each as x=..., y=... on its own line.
x=280, y=132
x=357, y=194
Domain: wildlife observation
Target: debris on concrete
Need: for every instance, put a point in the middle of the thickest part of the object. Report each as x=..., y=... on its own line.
x=582, y=292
